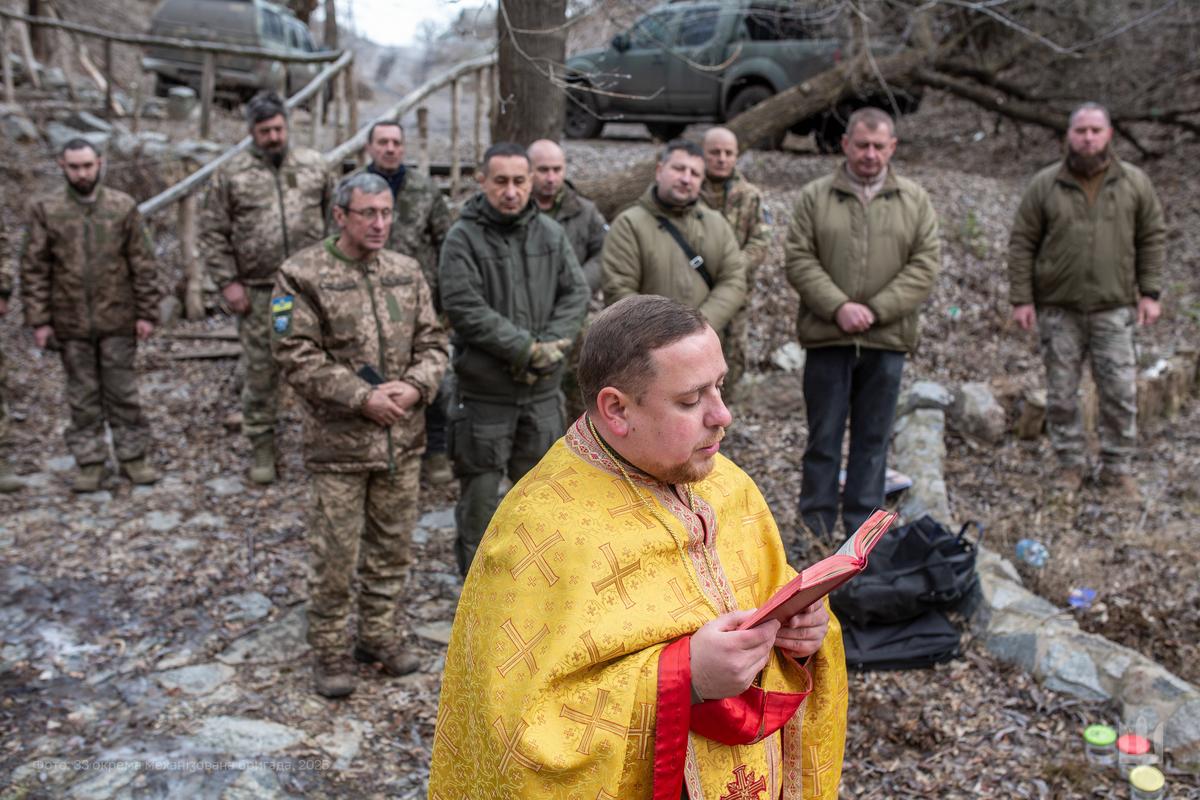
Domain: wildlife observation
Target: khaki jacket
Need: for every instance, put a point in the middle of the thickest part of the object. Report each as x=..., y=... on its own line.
x=642, y=258
x=420, y=221
x=1064, y=252
x=585, y=228
x=885, y=255
x=256, y=216
x=743, y=206
x=330, y=317
x=506, y=283
x=88, y=269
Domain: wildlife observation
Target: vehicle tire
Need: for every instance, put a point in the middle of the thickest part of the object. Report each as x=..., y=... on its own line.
x=581, y=120
x=828, y=135
x=748, y=98
x=666, y=131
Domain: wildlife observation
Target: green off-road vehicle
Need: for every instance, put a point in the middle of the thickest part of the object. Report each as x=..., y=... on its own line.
x=704, y=61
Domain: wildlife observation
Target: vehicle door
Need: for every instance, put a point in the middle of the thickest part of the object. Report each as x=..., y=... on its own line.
x=799, y=44
x=273, y=36
x=300, y=42
x=639, y=72
x=700, y=45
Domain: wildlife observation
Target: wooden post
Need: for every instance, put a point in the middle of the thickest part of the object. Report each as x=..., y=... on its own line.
x=108, y=79
x=208, y=85
x=10, y=91
x=27, y=54
x=479, y=89
x=339, y=107
x=317, y=115
x=493, y=98
x=139, y=88
x=455, y=159
x=193, y=299
x=352, y=103
x=283, y=79
x=423, y=140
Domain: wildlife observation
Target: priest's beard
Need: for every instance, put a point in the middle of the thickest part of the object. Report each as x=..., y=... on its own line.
x=1086, y=165
x=689, y=471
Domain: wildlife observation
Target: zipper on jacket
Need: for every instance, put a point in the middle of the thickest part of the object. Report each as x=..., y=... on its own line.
x=382, y=361
x=282, y=214
x=89, y=277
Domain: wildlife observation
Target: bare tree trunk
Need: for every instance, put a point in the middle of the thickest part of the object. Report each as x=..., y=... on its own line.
x=530, y=51
x=769, y=118
x=40, y=38
x=331, y=29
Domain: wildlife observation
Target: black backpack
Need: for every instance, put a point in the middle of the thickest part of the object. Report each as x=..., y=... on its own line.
x=916, y=568
x=921, y=642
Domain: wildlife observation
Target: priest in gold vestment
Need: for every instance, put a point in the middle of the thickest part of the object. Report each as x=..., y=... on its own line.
x=595, y=652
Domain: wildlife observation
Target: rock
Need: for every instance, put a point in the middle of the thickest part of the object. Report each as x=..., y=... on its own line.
x=342, y=743
x=58, y=134
x=789, y=358
x=919, y=451
x=1032, y=415
x=225, y=486
x=163, y=521
x=88, y=122
x=170, y=310
x=256, y=783
x=18, y=128
x=206, y=520
x=181, y=100
x=435, y=631
x=438, y=520
x=281, y=640
x=196, y=680
x=55, y=78
x=1065, y=667
x=781, y=392
x=103, y=497
x=103, y=784
x=244, y=737
x=199, y=151
x=976, y=413
x=245, y=607
x=60, y=463
x=924, y=394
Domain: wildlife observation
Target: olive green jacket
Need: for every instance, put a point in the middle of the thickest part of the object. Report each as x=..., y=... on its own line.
x=642, y=258
x=255, y=215
x=88, y=269
x=507, y=282
x=1064, y=252
x=885, y=255
x=330, y=317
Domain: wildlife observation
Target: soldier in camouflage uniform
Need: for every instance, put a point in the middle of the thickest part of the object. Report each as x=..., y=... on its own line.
x=88, y=280
x=356, y=335
x=743, y=206
x=419, y=225
x=9, y=482
x=585, y=228
x=266, y=204
x=1085, y=263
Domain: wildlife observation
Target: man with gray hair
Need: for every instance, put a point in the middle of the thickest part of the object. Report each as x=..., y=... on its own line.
x=355, y=334
x=1084, y=264
x=263, y=206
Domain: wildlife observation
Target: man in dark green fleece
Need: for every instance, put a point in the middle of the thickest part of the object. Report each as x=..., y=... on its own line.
x=1084, y=264
x=515, y=296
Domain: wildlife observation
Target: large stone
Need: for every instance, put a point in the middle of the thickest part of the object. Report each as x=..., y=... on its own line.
x=196, y=680
x=789, y=358
x=256, y=783
x=435, y=631
x=281, y=640
x=18, y=128
x=58, y=134
x=225, y=486
x=343, y=742
x=1065, y=667
x=163, y=521
x=924, y=394
x=1031, y=415
x=976, y=413
x=919, y=451
x=244, y=737
x=88, y=122
x=245, y=607
x=779, y=393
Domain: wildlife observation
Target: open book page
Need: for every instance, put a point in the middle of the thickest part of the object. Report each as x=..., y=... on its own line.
x=821, y=578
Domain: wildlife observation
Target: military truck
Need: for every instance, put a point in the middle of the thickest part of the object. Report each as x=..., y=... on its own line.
x=250, y=23
x=704, y=61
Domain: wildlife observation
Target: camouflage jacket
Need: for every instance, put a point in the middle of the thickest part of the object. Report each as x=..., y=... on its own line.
x=256, y=216
x=331, y=317
x=585, y=228
x=743, y=206
x=420, y=221
x=88, y=269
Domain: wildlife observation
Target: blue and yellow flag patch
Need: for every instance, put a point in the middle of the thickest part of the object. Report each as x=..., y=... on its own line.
x=281, y=314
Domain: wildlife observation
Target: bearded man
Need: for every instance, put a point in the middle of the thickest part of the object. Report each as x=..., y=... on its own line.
x=1084, y=264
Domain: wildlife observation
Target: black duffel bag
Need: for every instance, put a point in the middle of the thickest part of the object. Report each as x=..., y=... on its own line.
x=916, y=568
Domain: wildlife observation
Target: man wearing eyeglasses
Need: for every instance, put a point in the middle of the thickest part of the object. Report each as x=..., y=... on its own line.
x=355, y=334
x=268, y=203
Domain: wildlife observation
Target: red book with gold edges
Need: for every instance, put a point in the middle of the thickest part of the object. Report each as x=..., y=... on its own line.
x=823, y=577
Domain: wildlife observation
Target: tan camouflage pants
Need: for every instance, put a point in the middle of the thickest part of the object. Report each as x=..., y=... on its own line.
x=260, y=389
x=360, y=522
x=102, y=387
x=1106, y=339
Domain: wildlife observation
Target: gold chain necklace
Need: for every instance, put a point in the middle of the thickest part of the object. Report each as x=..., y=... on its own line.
x=647, y=503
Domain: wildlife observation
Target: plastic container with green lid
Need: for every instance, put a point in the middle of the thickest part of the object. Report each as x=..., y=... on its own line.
x=1147, y=783
x=1100, y=744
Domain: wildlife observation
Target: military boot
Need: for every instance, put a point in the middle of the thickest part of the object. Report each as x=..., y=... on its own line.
x=334, y=674
x=89, y=478
x=392, y=656
x=435, y=469
x=263, y=471
x=1120, y=486
x=9, y=482
x=139, y=471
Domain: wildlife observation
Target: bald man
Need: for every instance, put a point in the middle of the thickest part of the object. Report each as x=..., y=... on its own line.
x=742, y=204
x=558, y=198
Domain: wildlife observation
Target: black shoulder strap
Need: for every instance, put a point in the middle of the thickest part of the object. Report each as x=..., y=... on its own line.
x=695, y=260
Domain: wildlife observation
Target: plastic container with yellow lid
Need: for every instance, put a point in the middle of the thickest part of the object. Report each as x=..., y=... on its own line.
x=1147, y=783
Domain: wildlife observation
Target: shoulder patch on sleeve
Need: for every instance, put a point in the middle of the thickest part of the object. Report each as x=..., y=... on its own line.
x=281, y=314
